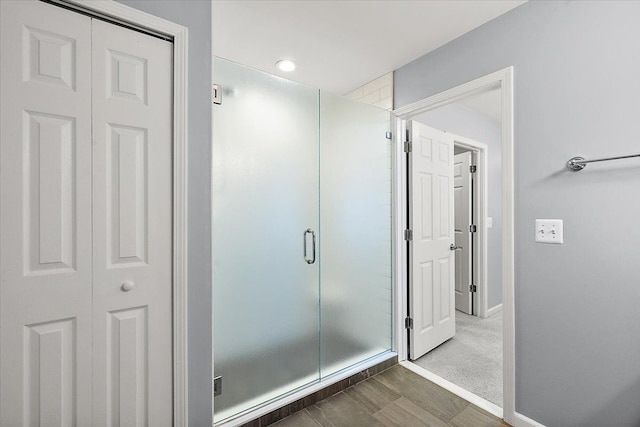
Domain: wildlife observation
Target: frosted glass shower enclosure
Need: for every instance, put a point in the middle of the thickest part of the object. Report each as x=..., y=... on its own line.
x=301, y=236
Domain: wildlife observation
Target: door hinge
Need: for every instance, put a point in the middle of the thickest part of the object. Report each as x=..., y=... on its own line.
x=217, y=94
x=388, y=135
x=408, y=147
x=472, y=228
x=217, y=386
x=472, y=168
x=408, y=323
x=408, y=235
x=473, y=288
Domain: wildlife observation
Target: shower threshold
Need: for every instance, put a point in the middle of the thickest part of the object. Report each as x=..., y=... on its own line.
x=310, y=393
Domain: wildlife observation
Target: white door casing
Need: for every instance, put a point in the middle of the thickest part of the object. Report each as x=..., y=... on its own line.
x=505, y=80
x=132, y=203
x=463, y=220
x=45, y=216
x=431, y=281
x=53, y=275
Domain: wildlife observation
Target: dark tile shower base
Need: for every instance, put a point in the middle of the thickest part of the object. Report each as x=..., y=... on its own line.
x=320, y=395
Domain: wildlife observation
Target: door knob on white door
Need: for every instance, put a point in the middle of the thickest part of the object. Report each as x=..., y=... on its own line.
x=127, y=286
x=455, y=248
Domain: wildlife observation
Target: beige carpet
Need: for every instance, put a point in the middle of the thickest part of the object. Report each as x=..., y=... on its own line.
x=472, y=359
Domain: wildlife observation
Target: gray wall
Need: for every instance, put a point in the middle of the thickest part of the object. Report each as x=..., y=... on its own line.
x=196, y=16
x=464, y=121
x=577, y=92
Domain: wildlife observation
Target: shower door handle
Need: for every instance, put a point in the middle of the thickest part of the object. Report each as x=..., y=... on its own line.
x=313, y=245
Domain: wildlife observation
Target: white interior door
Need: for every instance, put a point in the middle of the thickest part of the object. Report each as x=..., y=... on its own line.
x=431, y=293
x=86, y=221
x=45, y=216
x=463, y=220
x=132, y=170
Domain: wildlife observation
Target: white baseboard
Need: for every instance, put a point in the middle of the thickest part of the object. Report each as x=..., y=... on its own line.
x=494, y=310
x=455, y=389
x=522, y=421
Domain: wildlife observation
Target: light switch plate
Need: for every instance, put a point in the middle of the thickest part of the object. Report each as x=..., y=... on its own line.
x=489, y=222
x=549, y=231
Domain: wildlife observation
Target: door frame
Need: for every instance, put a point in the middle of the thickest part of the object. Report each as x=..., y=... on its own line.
x=503, y=79
x=481, y=211
x=137, y=19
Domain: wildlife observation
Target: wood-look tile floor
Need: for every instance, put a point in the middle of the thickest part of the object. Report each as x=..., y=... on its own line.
x=395, y=397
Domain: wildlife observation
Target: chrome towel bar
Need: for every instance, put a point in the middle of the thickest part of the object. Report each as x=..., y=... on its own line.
x=579, y=163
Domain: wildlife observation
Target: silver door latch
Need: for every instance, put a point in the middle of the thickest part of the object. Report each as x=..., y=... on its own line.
x=217, y=94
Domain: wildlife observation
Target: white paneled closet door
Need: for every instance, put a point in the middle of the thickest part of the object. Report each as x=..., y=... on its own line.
x=86, y=221
x=45, y=215
x=132, y=205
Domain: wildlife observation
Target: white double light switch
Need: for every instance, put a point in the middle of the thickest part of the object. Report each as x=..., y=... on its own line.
x=549, y=231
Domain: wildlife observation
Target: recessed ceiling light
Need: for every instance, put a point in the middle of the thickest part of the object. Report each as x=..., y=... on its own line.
x=286, y=65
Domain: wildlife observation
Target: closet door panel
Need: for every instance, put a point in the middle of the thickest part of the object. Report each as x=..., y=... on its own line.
x=132, y=228
x=45, y=216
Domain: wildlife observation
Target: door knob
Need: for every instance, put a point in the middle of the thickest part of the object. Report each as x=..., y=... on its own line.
x=454, y=247
x=127, y=286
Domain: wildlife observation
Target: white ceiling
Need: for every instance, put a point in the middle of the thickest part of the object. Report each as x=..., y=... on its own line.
x=341, y=45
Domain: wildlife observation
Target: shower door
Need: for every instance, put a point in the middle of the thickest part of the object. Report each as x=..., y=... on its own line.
x=301, y=236
x=265, y=218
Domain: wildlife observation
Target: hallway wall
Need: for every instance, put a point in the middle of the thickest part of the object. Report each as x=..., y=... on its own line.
x=577, y=86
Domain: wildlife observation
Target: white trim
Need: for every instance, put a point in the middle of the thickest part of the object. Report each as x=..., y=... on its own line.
x=503, y=79
x=282, y=401
x=211, y=236
x=179, y=34
x=522, y=421
x=474, y=87
x=481, y=275
x=508, y=248
x=398, y=215
x=136, y=17
x=480, y=402
x=494, y=310
x=400, y=207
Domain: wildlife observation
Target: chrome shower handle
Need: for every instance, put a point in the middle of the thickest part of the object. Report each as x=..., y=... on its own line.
x=313, y=242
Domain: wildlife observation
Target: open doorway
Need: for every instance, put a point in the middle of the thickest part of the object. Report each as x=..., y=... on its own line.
x=458, y=290
x=471, y=357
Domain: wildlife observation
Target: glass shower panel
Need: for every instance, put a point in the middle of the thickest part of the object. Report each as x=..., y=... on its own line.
x=355, y=221
x=265, y=195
